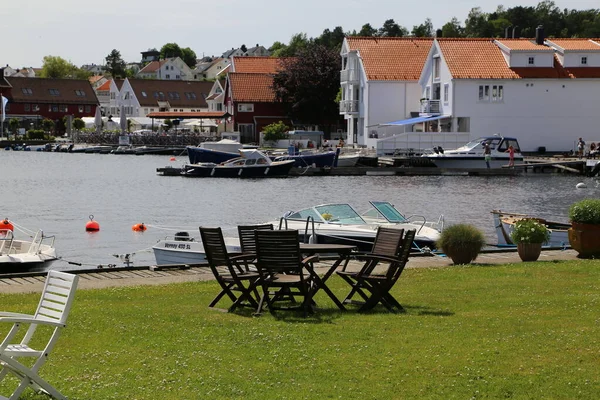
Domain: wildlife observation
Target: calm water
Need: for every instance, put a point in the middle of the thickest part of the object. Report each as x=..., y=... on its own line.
x=58, y=191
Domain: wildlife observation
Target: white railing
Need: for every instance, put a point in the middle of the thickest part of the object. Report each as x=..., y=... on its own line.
x=349, y=76
x=349, y=106
x=430, y=106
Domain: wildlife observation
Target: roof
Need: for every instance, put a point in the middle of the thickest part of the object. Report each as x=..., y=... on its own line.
x=46, y=90
x=391, y=59
x=252, y=87
x=576, y=44
x=186, y=115
x=483, y=59
x=95, y=78
x=104, y=87
x=190, y=94
x=257, y=65
x=524, y=45
x=151, y=67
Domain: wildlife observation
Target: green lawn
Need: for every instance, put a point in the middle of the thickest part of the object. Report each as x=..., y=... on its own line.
x=525, y=331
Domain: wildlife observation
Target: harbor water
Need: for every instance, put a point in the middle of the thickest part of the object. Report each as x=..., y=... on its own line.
x=57, y=192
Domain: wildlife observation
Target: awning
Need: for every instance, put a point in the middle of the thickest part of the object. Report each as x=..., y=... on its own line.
x=417, y=120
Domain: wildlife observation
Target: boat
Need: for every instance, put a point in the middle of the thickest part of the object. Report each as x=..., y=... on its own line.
x=471, y=154
x=183, y=249
x=311, y=158
x=340, y=223
x=18, y=255
x=505, y=221
x=250, y=164
x=359, y=158
x=216, y=152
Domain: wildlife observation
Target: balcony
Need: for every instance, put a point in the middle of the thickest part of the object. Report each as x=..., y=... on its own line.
x=348, y=106
x=430, y=106
x=349, y=76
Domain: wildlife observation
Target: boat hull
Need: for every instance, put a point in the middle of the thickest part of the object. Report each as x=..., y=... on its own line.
x=199, y=155
x=176, y=252
x=15, y=264
x=220, y=171
x=504, y=222
x=319, y=160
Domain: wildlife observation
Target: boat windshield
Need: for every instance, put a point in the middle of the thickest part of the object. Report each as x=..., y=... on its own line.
x=387, y=211
x=330, y=213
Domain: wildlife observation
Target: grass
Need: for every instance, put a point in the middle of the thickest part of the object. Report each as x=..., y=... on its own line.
x=526, y=330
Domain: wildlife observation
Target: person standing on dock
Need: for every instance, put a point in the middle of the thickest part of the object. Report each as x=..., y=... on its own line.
x=511, y=156
x=580, y=147
x=487, y=153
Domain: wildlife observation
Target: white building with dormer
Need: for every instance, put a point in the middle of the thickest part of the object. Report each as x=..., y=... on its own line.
x=174, y=69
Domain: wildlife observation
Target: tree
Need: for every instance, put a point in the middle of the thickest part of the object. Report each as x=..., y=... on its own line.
x=275, y=131
x=47, y=124
x=78, y=124
x=367, y=30
x=452, y=29
x=115, y=64
x=392, y=29
x=331, y=39
x=189, y=57
x=59, y=68
x=171, y=50
x=308, y=85
x=477, y=24
x=298, y=43
x=13, y=125
x=423, y=30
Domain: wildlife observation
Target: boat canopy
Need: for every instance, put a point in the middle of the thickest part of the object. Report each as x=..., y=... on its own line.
x=416, y=120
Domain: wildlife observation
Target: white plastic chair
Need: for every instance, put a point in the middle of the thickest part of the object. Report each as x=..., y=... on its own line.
x=53, y=309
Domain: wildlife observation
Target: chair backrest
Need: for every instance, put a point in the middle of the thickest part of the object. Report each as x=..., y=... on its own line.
x=387, y=241
x=278, y=251
x=394, y=273
x=214, y=247
x=247, y=239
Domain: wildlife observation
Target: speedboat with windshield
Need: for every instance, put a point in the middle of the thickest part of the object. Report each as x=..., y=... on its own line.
x=471, y=154
x=340, y=223
x=19, y=255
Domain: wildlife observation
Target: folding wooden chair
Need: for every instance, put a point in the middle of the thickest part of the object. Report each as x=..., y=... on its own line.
x=237, y=278
x=52, y=311
x=281, y=266
x=247, y=239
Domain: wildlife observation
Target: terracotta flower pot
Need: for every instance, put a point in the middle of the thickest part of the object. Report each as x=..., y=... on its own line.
x=585, y=238
x=529, y=251
x=463, y=255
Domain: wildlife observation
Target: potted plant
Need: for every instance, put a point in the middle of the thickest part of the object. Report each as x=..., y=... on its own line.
x=529, y=235
x=461, y=242
x=584, y=234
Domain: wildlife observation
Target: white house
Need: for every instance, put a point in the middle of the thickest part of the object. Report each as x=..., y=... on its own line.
x=210, y=69
x=379, y=81
x=543, y=92
x=168, y=69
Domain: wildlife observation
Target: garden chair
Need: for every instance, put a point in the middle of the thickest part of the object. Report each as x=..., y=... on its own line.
x=280, y=265
x=247, y=239
x=237, y=277
x=52, y=311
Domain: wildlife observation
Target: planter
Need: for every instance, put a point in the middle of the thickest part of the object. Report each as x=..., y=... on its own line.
x=529, y=251
x=461, y=255
x=585, y=239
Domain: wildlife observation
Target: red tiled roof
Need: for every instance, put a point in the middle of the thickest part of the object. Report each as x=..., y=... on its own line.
x=391, y=59
x=186, y=94
x=523, y=44
x=184, y=115
x=252, y=87
x=46, y=90
x=105, y=87
x=152, y=66
x=483, y=59
x=576, y=44
x=257, y=65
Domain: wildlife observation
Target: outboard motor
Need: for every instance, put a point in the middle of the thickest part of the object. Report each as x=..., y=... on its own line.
x=182, y=237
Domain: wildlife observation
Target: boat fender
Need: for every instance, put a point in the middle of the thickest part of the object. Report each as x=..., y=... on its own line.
x=581, y=185
x=6, y=225
x=92, y=226
x=139, y=227
x=312, y=239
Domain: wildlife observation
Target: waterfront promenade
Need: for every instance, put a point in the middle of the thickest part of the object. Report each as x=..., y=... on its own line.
x=149, y=275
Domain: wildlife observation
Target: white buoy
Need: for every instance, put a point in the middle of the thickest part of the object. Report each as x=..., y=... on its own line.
x=581, y=185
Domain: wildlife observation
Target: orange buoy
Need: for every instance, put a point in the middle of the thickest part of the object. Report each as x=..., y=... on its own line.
x=6, y=225
x=92, y=226
x=172, y=159
x=139, y=227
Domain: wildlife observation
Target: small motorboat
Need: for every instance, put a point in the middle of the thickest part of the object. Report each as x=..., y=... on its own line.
x=251, y=164
x=182, y=249
x=505, y=221
x=18, y=255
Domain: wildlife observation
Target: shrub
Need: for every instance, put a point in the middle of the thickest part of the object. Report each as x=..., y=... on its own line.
x=461, y=242
x=529, y=230
x=275, y=131
x=585, y=211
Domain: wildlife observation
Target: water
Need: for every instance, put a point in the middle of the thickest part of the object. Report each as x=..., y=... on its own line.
x=57, y=192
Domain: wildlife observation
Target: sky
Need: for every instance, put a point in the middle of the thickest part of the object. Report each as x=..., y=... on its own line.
x=86, y=32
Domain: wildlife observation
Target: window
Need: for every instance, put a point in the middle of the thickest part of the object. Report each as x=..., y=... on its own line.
x=245, y=107
x=168, y=76
x=112, y=95
x=446, y=90
x=26, y=107
x=152, y=110
x=144, y=94
x=174, y=95
x=161, y=95
x=531, y=61
x=35, y=107
x=583, y=60
x=145, y=111
x=177, y=77
x=80, y=93
x=219, y=107
x=54, y=92
x=484, y=92
x=53, y=108
x=27, y=91
x=126, y=96
x=427, y=92
x=436, y=68
x=80, y=109
x=498, y=93
x=88, y=109
x=190, y=95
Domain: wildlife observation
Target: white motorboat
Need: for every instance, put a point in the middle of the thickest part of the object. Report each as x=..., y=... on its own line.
x=504, y=223
x=471, y=154
x=342, y=224
x=183, y=249
x=17, y=255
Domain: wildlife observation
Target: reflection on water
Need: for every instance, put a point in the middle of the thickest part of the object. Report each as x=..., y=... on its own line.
x=58, y=191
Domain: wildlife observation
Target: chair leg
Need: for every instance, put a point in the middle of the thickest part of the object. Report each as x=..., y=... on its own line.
x=225, y=290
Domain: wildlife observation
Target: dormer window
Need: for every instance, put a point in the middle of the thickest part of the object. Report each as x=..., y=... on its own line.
x=531, y=61
x=584, y=60
x=436, y=68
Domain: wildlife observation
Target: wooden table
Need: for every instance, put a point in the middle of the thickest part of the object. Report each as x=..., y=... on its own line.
x=341, y=250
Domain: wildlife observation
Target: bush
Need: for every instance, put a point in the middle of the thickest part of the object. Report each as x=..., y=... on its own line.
x=461, y=242
x=529, y=230
x=275, y=131
x=585, y=211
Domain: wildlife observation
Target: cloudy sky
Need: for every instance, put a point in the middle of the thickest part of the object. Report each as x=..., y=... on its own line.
x=85, y=32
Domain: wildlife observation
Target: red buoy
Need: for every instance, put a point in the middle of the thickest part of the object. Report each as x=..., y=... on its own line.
x=92, y=226
x=172, y=159
x=139, y=227
x=6, y=225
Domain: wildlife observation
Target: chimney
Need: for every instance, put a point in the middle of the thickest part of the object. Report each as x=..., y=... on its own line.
x=539, y=35
x=438, y=33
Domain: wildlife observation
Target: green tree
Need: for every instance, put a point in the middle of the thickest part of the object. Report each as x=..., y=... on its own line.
x=59, y=68
x=452, y=29
x=298, y=43
x=367, y=30
x=171, y=50
x=276, y=47
x=477, y=24
x=78, y=124
x=423, y=30
x=115, y=64
x=189, y=57
x=391, y=29
x=275, y=131
x=168, y=123
x=308, y=85
x=48, y=125
x=331, y=39
x=13, y=125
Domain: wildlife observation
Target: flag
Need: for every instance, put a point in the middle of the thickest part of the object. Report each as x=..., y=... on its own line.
x=3, y=107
